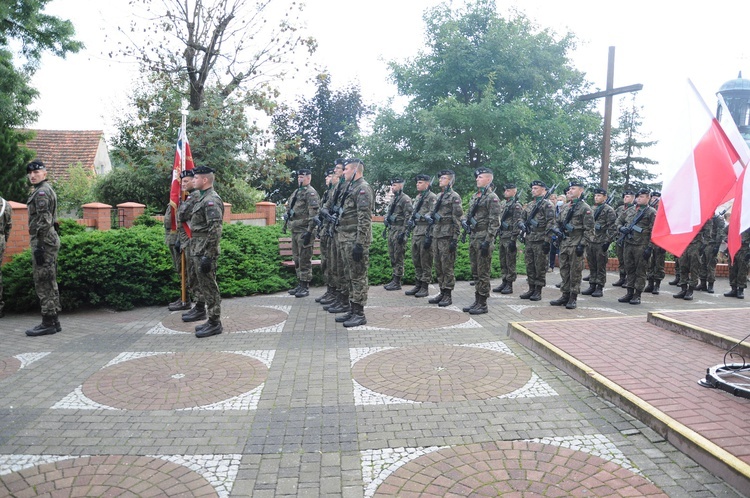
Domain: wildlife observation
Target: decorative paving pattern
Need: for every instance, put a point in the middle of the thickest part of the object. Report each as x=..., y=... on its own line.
x=595, y=444
x=11, y=365
x=175, y=381
x=234, y=319
x=118, y=475
x=409, y=318
x=436, y=373
x=547, y=312
x=516, y=468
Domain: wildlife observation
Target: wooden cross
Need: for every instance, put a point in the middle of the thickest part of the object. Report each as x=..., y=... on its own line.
x=608, y=94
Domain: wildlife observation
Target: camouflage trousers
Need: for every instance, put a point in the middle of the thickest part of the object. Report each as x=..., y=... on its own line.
x=635, y=266
x=445, y=262
x=709, y=258
x=176, y=259
x=597, y=258
x=536, y=263
x=302, y=256
x=656, y=264
x=690, y=265
x=481, y=266
x=508, y=261
x=356, y=274
x=738, y=269
x=620, y=259
x=338, y=265
x=325, y=248
x=396, y=251
x=191, y=277
x=571, y=270
x=208, y=289
x=422, y=259
x=45, y=280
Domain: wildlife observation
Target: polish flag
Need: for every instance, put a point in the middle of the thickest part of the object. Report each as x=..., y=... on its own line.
x=730, y=128
x=690, y=198
x=180, y=165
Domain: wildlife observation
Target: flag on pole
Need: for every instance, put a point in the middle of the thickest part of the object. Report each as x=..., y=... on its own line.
x=183, y=161
x=739, y=144
x=706, y=175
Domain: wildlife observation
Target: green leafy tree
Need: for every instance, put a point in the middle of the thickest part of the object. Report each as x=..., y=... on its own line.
x=75, y=191
x=629, y=167
x=13, y=160
x=487, y=91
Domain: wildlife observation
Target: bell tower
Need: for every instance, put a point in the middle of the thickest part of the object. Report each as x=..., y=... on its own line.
x=736, y=94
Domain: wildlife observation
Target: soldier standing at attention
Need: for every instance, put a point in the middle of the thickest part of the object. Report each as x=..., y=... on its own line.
x=628, y=198
x=324, y=238
x=6, y=214
x=576, y=225
x=655, y=272
x=738, y=268
x=710, y=255
x=206, y=223
x=184, y=213
x=421, y=256
x=45, y=244
x=635, y=226
x=335, y=277
x=302, y=208
x=442, y=235
x=538, y=221
x=507, y=234
x=177, y=240
x=355, y=236
x=483, y=221
x=605, y=231
x=690, y=262
x=399, y=211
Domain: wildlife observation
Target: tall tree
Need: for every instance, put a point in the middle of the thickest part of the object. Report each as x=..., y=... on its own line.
x=487, y=91
x=629, y=168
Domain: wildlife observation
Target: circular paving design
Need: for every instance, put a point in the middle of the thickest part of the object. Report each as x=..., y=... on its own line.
x=111, y=475
x=514, y=469
x=549, y=312
x=175, y=380
x=233, y=318
x=435, y=373
x=414, y=317
x=9, y=366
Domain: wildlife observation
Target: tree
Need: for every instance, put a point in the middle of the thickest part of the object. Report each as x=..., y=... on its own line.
x=628, y=169
x=13, y=160
x=487, y=91
x=74, y=191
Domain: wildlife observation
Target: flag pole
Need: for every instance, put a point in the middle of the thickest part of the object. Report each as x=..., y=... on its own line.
x=183, y=194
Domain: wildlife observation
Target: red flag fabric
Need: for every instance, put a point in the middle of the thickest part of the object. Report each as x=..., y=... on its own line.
x=175, y=193
x=739, y=144
x=692, y=195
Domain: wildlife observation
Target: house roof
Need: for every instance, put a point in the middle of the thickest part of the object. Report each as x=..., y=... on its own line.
x=60, y=149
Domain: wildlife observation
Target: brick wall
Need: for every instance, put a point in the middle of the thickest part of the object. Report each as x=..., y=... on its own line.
x=19, y=235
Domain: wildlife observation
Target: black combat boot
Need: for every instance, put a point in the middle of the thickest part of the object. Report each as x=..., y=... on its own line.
x=438, y=298
x=681, y=294
x=296, y=289
x=500, y=287
x=731, y=293
x=467, y=309
x=346, y=316
x=587, y=278
x=740, y=293
x=481, y=307
x=179, y=305
x=710, y=287
x=590, y=290
x=329, y=289
x=650, y=286
x=655, y=290
x=537, y=295
x=212, y=327
x=424, y=290
x=47, y=327
x=572, y=302
x=394, y=284
x=598, y=291
x=413, y=291
x=508, y=288
x=340, y=306
x=676, y=280
x=304, y=290
x=627, y=297
x=562, y=300
x=702, y=286
x=197, y=314
x=528, y=293
x=689, y=293
x=331, y=301
x=447, y=299
x=620, y=282
x=58, y=327
x=636, y=299
x=358, y=318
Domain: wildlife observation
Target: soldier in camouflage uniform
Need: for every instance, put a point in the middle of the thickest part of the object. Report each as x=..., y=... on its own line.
x=576, y=232
x=325, y=240
x=442, y=236
x=655, y=270
x=628, y=198
x=334, y=267
x=710, y=254
x=6, y=223
x=605, y=231
x=342, y=304
x=399, y=211
x=421, y=256
x=512, y=214
x=177, y=240
x=635, y=225
x=45, y=245
x=738, y=268
x=690, y=262
x=302, y=208
x=355, y=235
x=538, y=221
x=184, y=213
x=483, y=222
x=206, y=223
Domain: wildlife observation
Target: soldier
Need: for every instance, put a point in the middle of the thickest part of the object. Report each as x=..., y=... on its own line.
x=507, y=234
x=302, y=208
x=177, y=239
x=325, y=239
x=398, y=213
x=206, y=223
x=334, y=266
x=538, y=221
x=355, y=235
x=442, y=235
x=655, y=270
x=6, y=223
x=421, y=256
x=45, y=244
x=575, y=232
x=482, y=222
x=342, y=304
x=184, y=234
x=605, y=230
x=710, y=254
x=738, y=268
x=690, y=264
x=635, y=226
x=628, y=198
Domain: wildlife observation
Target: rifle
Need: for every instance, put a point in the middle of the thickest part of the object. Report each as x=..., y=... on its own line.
x=318, y=218
x=522, y=226
x=431, y=219
x=290, y=212
x=338, y=210
x=628, y=232
x=508, y=210
x=415, y=215
x=470, y=222
x=387, y=219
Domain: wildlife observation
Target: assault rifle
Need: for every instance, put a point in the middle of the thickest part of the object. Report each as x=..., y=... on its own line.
x=633, y=227
x=532, y=215
x=431, y=219
x=415, y=216
x=599, y=210
x=290, y=212
x=338, y=210
x=470, y=223
x=504, y=225
x=388, y=214
x=566, y=226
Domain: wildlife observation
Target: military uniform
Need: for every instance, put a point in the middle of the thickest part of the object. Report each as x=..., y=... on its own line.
x=421, y=256
x=738, y=268
x=302, y=208
x=341, y=271
x=325, y=240
x=184, y=213
x=637, y=249
x=690, y=262
x=538, y=237
x=597, y=254
x=709, y=258
x=45, y=245
x=170, y=238
x=619, y=247
x=512, y=214
x=399, y=211
x=444, y=232
x=6, y=223
x=334, y=266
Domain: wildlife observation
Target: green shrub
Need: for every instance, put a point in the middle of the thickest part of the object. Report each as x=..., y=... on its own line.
x=68, y=226
x=146, y=220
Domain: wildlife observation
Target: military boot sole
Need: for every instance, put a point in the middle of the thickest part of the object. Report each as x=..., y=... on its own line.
x=195, y=318
x=356, y=321
x=209, y=331
x=38, y=330
x=479, y=310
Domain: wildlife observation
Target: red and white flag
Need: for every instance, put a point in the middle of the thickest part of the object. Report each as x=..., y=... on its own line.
x=690, y=198
x=180, y=165
x=730, y=128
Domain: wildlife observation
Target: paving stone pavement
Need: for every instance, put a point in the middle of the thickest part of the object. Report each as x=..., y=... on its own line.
x=421, y=401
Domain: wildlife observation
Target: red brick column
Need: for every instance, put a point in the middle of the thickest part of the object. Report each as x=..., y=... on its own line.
x=100, y=215
x=227, y=213
x=19, y=235
x=268, y=209
x=131, y=210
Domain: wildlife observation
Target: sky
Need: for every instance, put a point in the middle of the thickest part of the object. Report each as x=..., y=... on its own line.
x=659, y=44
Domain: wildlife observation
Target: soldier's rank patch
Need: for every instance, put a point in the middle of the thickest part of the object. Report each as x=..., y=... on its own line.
x=42, y=193
x=210, y=203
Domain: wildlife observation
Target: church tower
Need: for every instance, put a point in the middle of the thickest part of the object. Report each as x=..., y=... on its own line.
x=736, y=94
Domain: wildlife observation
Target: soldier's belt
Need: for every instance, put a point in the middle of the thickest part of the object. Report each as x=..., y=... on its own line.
x=348, y=222
x=200, y=235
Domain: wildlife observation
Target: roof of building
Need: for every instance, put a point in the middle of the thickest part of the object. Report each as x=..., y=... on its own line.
x=60, y=149
x=738, y=83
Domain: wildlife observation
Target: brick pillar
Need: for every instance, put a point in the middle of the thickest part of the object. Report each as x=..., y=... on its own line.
x=99, y=214
x=269, y=211
x=227, y=213
x=131, y=210
x=19, y=235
